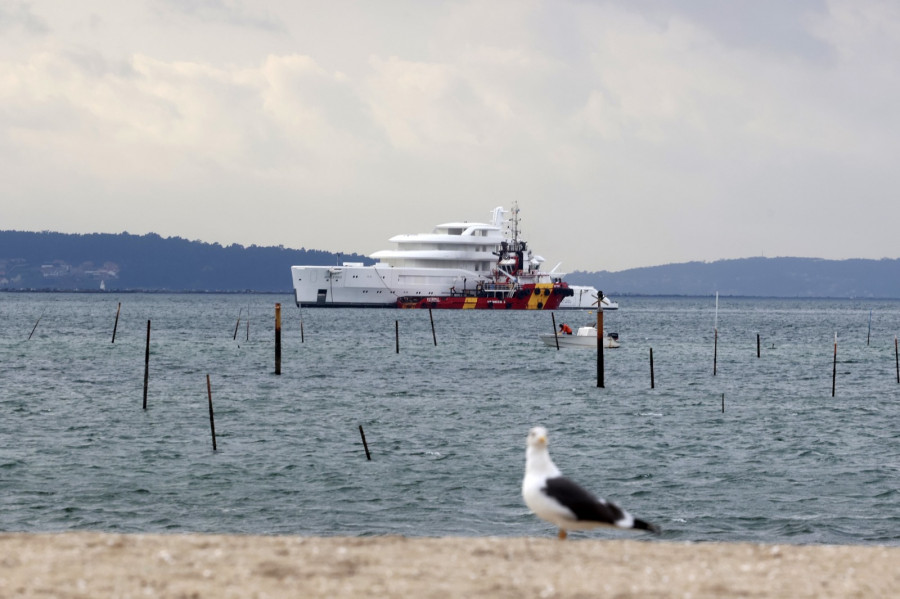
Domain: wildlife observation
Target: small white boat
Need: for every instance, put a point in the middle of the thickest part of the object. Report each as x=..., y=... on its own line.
x=583, y=337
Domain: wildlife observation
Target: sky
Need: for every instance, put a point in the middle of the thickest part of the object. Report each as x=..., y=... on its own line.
x=630, y=132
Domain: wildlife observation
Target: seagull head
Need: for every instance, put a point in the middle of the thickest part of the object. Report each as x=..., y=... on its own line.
x=537, y=458
x=537, y=438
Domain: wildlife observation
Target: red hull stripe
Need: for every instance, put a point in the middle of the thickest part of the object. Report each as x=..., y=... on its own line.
x=543, y=296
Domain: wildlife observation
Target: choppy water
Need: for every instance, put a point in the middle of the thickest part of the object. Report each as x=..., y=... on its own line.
x=446, y=424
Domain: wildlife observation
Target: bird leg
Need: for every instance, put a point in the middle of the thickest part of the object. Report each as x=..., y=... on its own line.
x=562, y=534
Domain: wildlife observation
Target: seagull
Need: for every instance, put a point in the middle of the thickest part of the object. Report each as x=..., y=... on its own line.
x=561, y=501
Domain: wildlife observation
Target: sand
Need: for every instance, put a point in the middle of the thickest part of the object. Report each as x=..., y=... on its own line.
x=218, y=566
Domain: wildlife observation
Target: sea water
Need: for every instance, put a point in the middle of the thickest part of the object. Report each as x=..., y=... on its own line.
x=785, y=462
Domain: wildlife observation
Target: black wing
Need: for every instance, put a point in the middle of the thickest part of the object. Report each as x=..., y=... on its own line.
x=582, y=503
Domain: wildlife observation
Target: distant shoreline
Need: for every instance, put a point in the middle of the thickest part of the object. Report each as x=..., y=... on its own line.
x=32, y=261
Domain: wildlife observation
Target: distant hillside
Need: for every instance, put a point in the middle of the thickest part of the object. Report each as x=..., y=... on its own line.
x=754, y=277
x=59, y=261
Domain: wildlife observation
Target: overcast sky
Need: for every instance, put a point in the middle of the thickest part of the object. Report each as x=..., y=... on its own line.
x=631, y=132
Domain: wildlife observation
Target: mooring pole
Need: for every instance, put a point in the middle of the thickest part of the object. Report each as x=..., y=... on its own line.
x=277, y=338
x=600, y=374
x=147, y=365
x=715, y=352
x=555, y=334
x=116, y=325
x=869, y=333
x=652, y=380
x=35, y=325
x=212, y=420
x=433, y=334
x=365, y=445
x=834, y=367
x=716, y=342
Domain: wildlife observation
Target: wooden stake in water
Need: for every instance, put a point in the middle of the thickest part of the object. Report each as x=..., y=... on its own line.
x=212, y=420
x=277, y=338
x=716, y=341
x=600, y=365
x=365, y=445
x=147, y=365
x=757, y=345
x=35, y=326
x=238, y=323
x=652, y=380
x=716, y=352
x=301, y=327
x=897, y=358
x=397, y=335
x=723, y=403
x=555, y=334
x=869, y=334
x=433, y=334
x=716, y=321
x=116, y=325
x=834, y=367
x=248, y=324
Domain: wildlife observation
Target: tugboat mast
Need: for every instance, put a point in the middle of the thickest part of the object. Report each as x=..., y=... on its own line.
x=514, y=222
x=513, y=228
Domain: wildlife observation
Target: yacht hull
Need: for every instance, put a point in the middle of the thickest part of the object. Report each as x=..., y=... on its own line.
x=375, y=286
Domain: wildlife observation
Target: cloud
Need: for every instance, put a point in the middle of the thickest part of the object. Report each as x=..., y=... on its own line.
x=229, y=12
x=771, y=27
x=152, y=120
x=423, y=106
x=19, y=16
x=655, y=118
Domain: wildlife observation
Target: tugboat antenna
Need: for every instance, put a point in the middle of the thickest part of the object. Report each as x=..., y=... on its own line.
x=514, y=221
x=517, y=245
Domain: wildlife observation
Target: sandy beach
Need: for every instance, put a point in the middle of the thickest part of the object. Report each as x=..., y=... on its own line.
x=197, y=566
